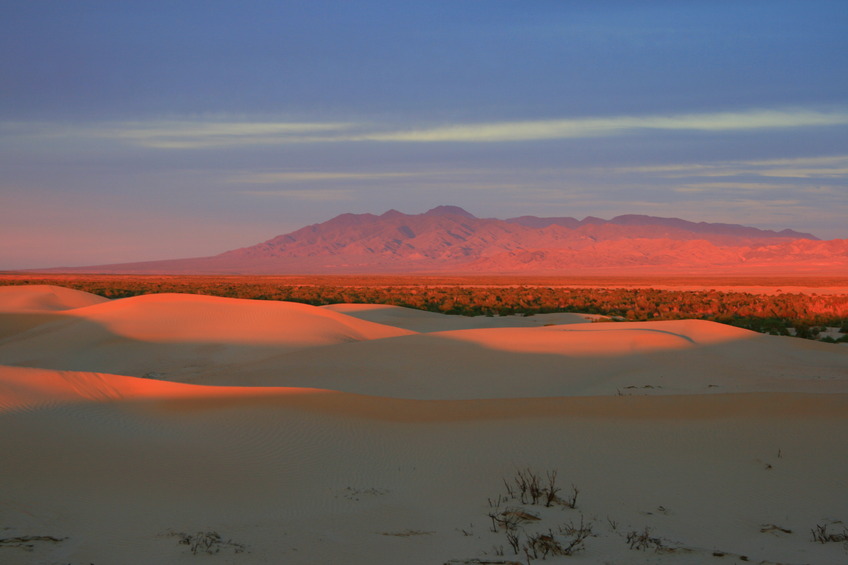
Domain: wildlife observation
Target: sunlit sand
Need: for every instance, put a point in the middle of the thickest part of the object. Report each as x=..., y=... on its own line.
x=188, y=429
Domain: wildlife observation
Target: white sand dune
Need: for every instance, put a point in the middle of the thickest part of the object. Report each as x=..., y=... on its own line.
x=176, y=336
x=399, y=465
x=172, y=318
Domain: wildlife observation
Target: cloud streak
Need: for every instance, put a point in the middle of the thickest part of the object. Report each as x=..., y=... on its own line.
x=186, y=135
x=183, y=134
x=733, y=186
x=199, y=135
x=826, y=167
x=310, y=195
x=620, y=125
x=313, y=176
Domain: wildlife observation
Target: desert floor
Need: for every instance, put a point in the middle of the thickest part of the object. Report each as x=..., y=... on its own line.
x=192, y=429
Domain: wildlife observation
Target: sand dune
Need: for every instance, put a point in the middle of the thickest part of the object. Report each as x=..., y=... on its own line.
x=329, y=435
x=175, y=336
x=171, y=318
x=27, y=306
x=654, y=358
x=45, y=297
x=605, y=339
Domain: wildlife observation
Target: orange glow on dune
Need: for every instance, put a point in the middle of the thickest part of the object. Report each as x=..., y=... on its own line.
x=604, y=339
x=23, y=387
x=211, y=319
x=30, y=389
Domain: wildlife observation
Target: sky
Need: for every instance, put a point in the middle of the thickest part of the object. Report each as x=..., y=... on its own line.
x=143, y=130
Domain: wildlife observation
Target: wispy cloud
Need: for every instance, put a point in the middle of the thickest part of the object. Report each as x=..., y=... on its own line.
x=735, y=186
x=313, y=176
x=194, y=135
x=450, y=179
x=184, y=134
x=218, y=133
x=823, y=161
x=313, y=195
x=824, y=167
x=598, y=127
x=804, y=173
x=829, y=166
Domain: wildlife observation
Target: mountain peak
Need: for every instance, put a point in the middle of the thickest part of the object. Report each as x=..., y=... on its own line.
x=445, y=210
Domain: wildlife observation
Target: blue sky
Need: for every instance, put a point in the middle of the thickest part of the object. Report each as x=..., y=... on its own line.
x=150, y=130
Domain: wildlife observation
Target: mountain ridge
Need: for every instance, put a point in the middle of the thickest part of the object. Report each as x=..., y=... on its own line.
x=449, y=238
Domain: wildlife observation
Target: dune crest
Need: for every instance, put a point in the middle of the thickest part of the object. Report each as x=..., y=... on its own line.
x=44, y=298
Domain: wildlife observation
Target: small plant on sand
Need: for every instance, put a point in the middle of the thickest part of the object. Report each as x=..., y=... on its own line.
x=578, y=534
x=544, y=544
x=571, y=501
x=510, y=519
x=551, y=490
x=513, y=537
x=208, y=542
x=530, y=487
x=642, y=541
x=521, y=526
x=821, y=535
x=566, y=540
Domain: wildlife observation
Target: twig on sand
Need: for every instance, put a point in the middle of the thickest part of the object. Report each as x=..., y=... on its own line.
x=27, y=542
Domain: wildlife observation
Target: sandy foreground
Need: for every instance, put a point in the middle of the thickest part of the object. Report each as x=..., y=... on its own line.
x=194, y=429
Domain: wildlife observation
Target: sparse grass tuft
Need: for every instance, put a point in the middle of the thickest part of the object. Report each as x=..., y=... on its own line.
x=529, y=487
x=821, y=535
x=571, y=502
x=208, y=542
x=642, y=541
x=568, y=540
x=551, y=490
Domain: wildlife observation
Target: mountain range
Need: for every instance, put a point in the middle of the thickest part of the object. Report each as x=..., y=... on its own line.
x=450, y=239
